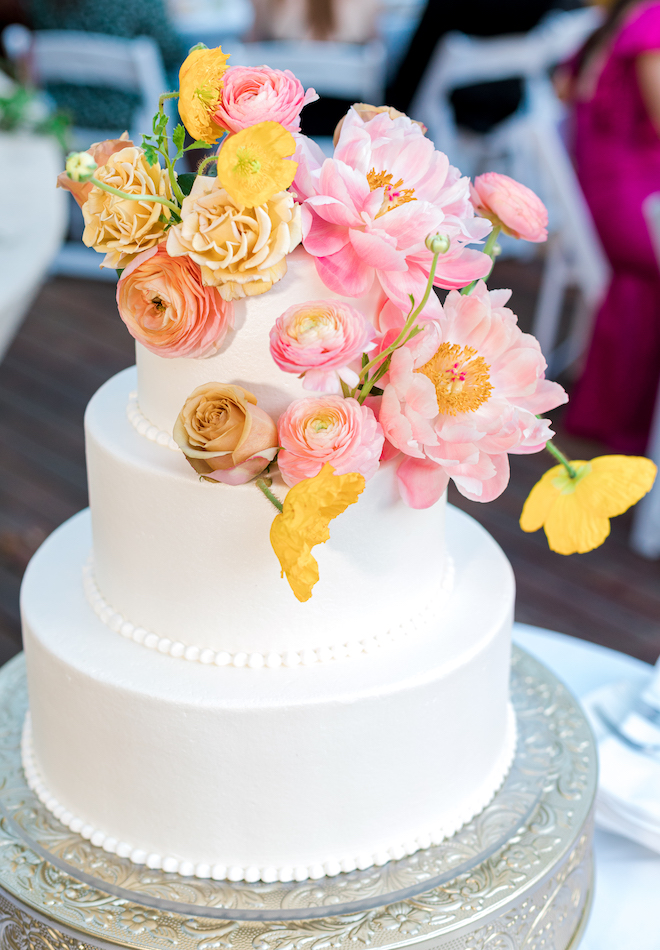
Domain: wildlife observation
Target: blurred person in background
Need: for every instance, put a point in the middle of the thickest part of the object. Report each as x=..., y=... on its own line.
x=339, y=21
x=614, y=86
x=482, y=106
x=97, y=107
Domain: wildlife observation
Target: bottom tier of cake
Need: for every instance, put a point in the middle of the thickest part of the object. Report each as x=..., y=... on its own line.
x=264, y=773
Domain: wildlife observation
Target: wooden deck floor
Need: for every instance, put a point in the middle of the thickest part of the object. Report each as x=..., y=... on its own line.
x=72, y=340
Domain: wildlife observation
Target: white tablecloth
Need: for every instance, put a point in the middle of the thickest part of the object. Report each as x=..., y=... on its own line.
x=626, y=910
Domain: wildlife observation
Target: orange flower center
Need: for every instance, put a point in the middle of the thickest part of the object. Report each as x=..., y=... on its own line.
x=461, y=378
x=394, y=195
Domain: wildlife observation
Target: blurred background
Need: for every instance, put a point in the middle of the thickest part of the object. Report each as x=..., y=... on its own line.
x=560, y=95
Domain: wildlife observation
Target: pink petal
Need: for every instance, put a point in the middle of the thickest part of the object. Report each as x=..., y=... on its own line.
x=334, y=211
x=421, y=482
x=323, y=238
x=458, y=273
x=345, y=273
x=376, y=251
x=493, y=487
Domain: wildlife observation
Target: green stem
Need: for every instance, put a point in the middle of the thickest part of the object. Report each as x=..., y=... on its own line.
x=170, y=171
x=489, y=249
x=263, y=487
x=166, y=95
x=201, y=168
x=559, y=455
x=122, y=194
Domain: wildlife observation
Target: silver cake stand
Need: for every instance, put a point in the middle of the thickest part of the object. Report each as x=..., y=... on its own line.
x=518, y=876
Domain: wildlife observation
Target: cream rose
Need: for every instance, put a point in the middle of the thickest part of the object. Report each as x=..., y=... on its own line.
x=242, y=251
x=117, y=226
x=224, y=435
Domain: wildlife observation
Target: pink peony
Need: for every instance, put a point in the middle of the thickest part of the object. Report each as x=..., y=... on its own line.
x=328, y=429
x=511, y=206
x=367, y=211
x=319, y=339
x=463, y=394
x=253, y=94
x=167, y=308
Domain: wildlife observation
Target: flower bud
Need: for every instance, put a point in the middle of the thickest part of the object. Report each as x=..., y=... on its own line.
x=80, y=166
x=438, y=243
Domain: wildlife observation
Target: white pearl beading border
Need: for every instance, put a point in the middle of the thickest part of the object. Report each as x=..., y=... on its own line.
x=274, y=659
x=269, y=875
x=146, y=428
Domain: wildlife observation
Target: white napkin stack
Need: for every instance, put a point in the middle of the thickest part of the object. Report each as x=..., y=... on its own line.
x=629, y=788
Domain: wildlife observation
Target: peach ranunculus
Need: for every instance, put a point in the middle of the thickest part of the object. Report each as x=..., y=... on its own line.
x=253, y=94
x=319, y=339
x=367, y=112
x=224, y=435
x=200, y=88
x=242, y=251
x=511, y=206
x=118, y=226
x=328, y=429
x=100, y=152
x=167, y=308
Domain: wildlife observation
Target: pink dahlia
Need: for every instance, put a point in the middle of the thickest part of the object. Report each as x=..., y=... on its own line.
x=253, y=94
x=328, y=429
x=512, y=206
x=462, y=395
x=367, y=211
x=319, y=339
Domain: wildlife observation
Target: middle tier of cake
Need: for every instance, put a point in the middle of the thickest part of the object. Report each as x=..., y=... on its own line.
x=189, y=564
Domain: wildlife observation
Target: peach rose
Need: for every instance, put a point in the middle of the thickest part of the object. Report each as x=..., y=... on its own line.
x=167, y=308
x=117, y=226
x=367, y=112
x=510, y=206
x=100, y=152
x=224, y=435
x=242, y=251
x=253, y=94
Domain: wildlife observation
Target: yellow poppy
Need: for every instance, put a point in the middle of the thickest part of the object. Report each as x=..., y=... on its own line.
x=200, y=91
x=252, y=165
x=309, y=507
x=575, y=512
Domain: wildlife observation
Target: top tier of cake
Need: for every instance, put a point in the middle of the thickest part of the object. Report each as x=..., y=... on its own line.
x=189, y=563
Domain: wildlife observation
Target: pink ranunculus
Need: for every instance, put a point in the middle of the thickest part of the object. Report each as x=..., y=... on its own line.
x=168, y=309
x=368, y=210
x=512, y=206
x=253, y=94
x=330, y=429
x=462, y=395
x=320, y=339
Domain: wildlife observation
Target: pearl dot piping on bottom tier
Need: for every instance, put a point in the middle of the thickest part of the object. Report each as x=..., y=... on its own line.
x=274, y=658
x=146, y=428
x=221, y=872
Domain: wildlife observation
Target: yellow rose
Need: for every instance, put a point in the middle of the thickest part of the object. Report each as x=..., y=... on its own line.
x=242, y=251
x=224, y=435
x=117, y=226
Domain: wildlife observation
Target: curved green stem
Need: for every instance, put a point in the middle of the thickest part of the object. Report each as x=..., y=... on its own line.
x=166, y=95
x=201, y=168
x=489, y=248
x=559, y=455
x=263, y=487
x=122, y=194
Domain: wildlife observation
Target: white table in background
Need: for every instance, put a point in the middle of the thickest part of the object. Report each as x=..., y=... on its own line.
x=626, y=909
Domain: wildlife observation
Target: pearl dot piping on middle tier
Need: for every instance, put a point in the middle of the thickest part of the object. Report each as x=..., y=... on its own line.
x=142, y=425
x=274, y=659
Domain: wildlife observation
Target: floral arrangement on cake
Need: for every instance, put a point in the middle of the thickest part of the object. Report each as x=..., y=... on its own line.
x=447, y=390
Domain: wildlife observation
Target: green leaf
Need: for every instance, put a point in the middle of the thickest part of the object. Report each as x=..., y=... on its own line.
x=186, y=181
x=179, y=137
x=197, y=144
x=365, y=360
x=120, y=271
x=150, y=154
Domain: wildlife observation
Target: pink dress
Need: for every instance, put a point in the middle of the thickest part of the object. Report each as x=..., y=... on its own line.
x=617, y=153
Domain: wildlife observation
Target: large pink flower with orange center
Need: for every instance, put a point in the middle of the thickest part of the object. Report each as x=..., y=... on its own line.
x=462, y=395
x=368, y=210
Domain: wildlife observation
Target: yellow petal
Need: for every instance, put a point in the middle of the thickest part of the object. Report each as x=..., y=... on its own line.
x=572, y=528
x=252, y=165
x=615, y=483
x=309, y=507
x=200, y=90
x=540, y=501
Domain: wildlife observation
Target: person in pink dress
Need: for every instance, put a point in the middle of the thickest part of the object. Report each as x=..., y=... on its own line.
x=615, y=88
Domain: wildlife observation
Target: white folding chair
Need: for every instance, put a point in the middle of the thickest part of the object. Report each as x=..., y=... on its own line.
x=71, y=56
x=645, y=534
x=528, y=146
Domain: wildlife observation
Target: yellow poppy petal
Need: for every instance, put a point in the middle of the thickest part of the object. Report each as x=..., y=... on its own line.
x=309, y=507
x=540, y=501
x=200, y=90
x=252, y=165
x=573, y=529
x=615, y=483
